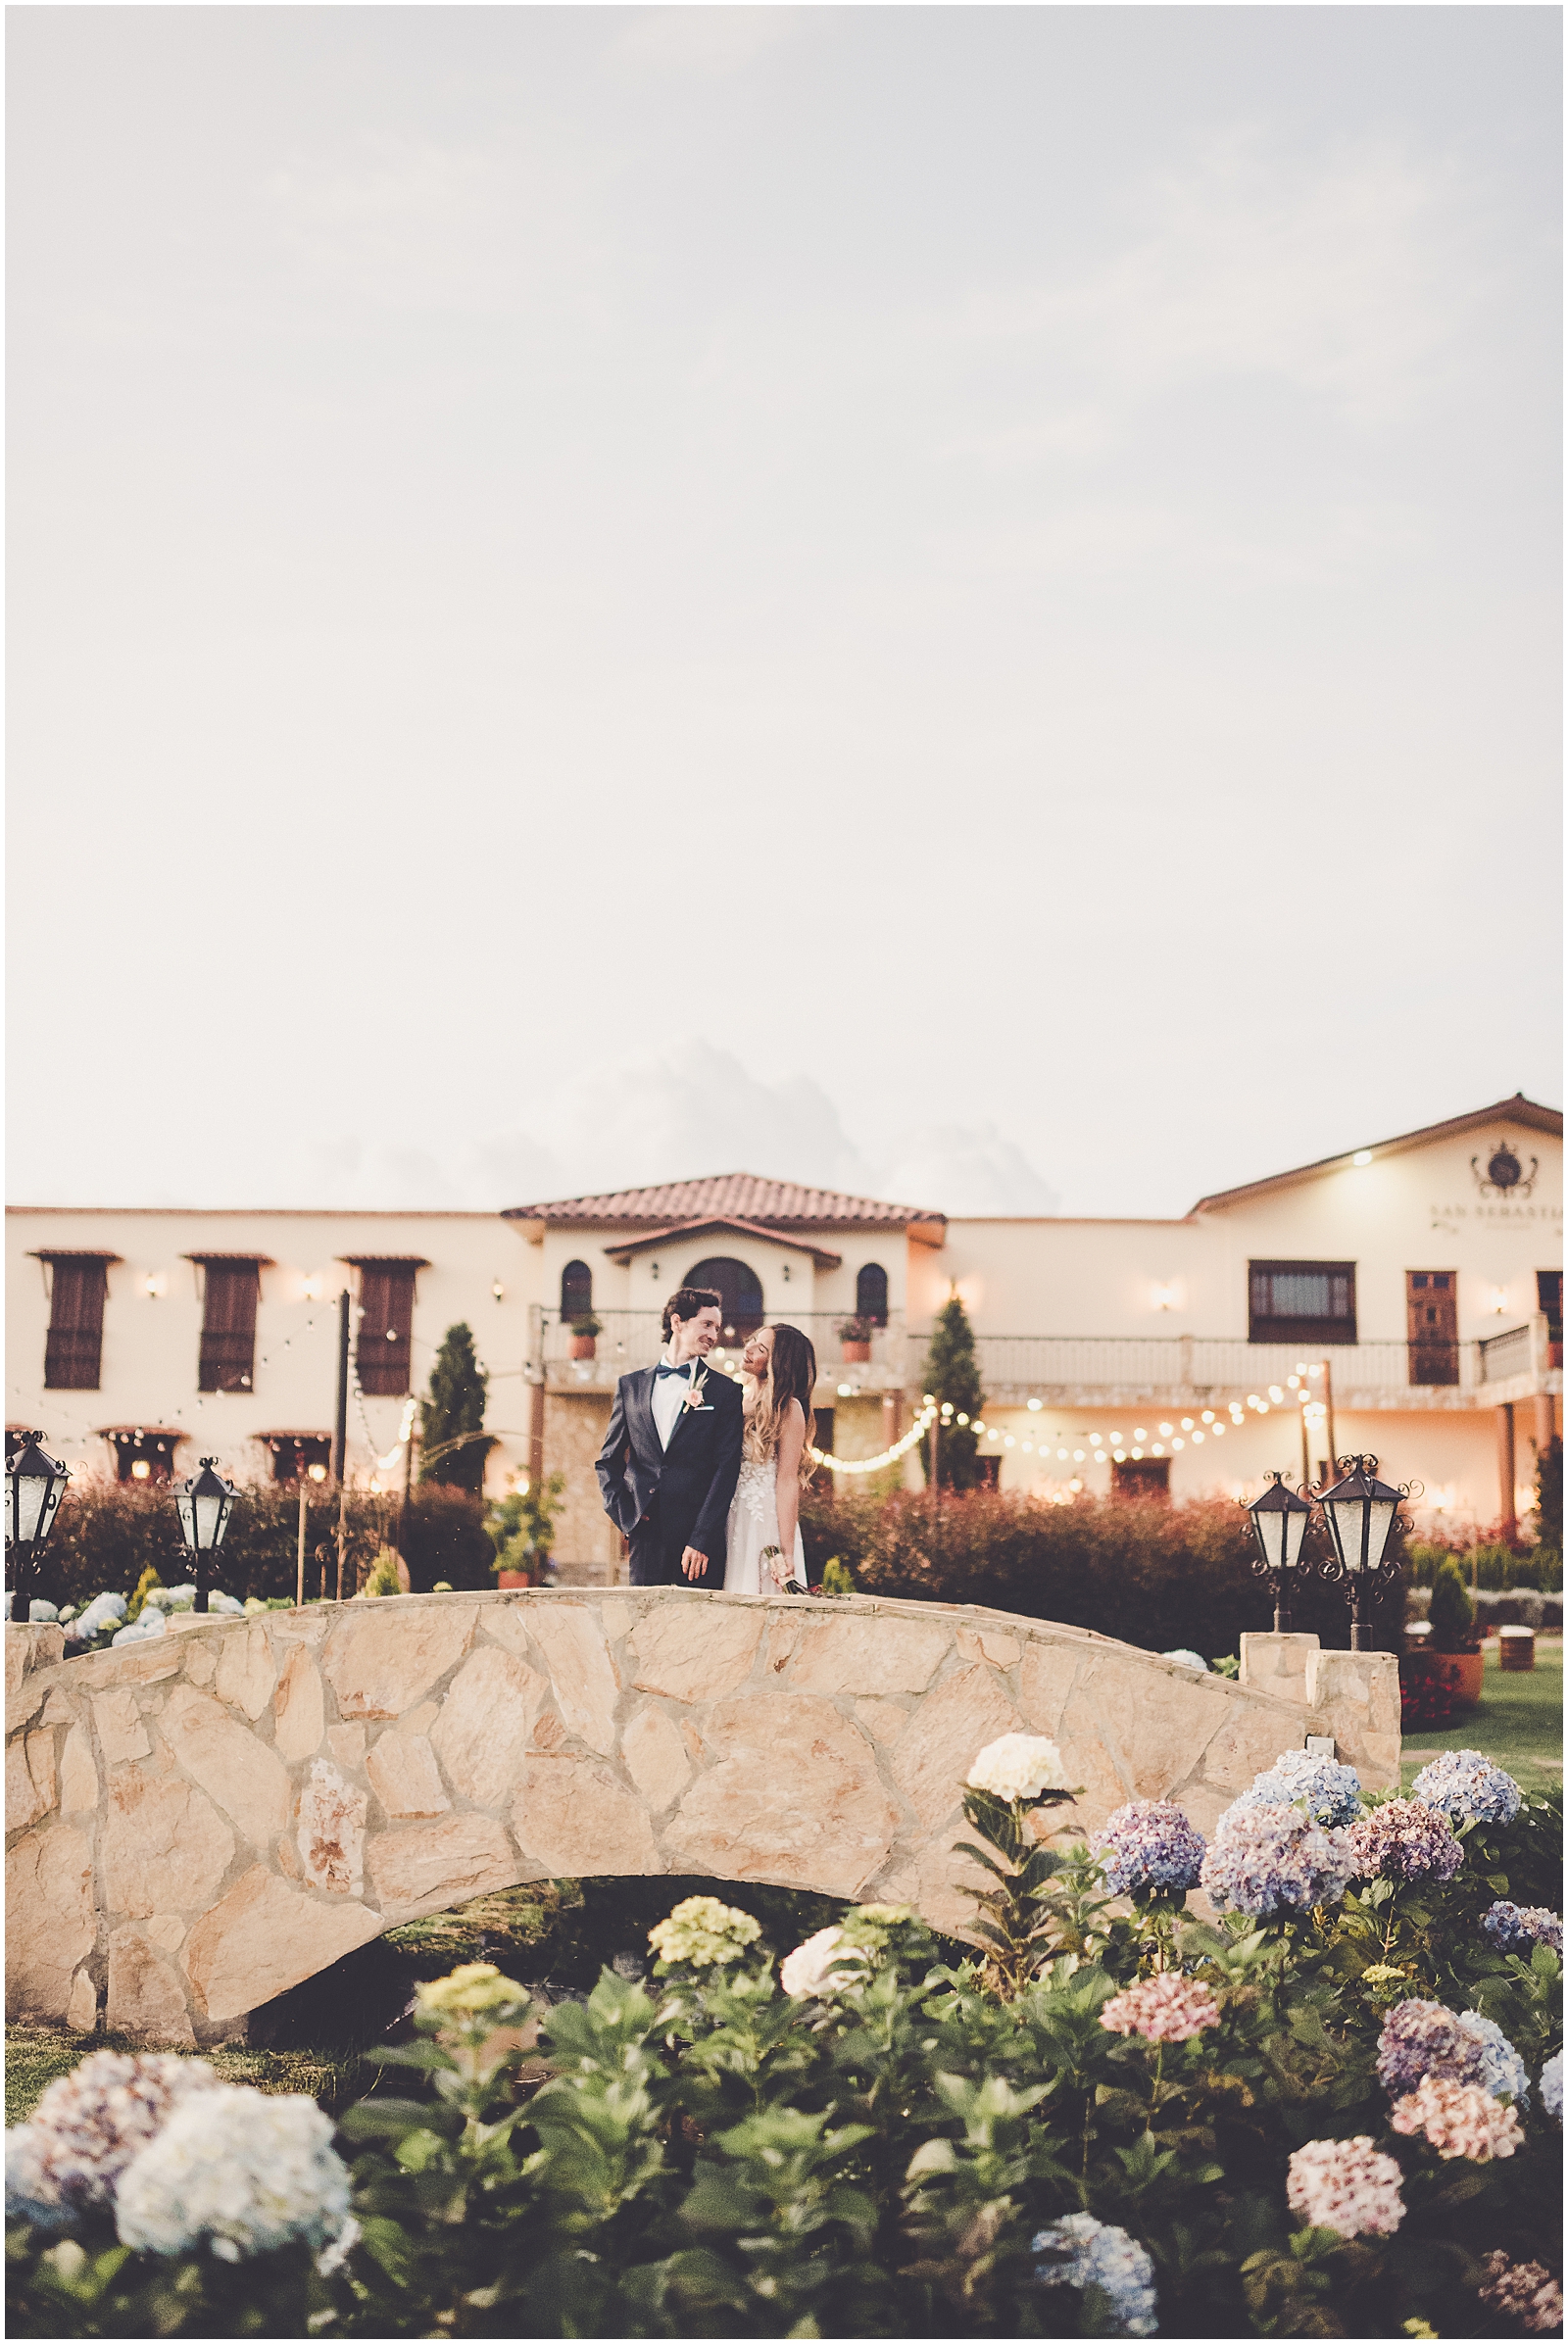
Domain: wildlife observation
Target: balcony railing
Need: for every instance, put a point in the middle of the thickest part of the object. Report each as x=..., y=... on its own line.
x=633, y=1338
x=1113, y=1369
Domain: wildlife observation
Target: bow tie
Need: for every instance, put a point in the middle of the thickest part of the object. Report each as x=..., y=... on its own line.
x=662, y=1370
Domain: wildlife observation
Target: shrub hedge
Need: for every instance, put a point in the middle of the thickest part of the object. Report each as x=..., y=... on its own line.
x=108, y=1534
x=1153, y=1575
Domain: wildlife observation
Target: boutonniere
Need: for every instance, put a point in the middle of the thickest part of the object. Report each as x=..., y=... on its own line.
x=694, y=1398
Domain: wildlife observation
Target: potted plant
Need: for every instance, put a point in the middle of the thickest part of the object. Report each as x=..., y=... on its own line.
x=855, y=1335
x=522, y=1531
x=582, y=1333
x=1450, y=1654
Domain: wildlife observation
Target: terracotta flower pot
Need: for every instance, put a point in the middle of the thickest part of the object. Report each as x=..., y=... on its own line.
x=580, y=1347
x=513, y=1578
x=856, y=1354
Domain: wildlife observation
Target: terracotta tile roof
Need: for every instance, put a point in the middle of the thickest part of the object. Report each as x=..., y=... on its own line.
x=728, y=1196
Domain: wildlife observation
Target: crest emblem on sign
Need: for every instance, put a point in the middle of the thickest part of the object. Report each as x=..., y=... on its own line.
x=1503, y=1174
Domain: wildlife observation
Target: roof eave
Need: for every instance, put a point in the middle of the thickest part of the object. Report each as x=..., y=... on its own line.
x=1518, y=1110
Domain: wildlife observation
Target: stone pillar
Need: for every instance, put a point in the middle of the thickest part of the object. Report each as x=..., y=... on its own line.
x=1545, y=1421
x=1356, y=1697
x=1505, y=1417
x=1277, y=1665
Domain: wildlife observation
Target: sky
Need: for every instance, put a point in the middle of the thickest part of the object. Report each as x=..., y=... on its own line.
x=961, y=604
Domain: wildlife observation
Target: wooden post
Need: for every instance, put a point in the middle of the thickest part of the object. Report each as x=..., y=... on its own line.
x=1506, y=1468
x=299, y=1552
x=340, y=1422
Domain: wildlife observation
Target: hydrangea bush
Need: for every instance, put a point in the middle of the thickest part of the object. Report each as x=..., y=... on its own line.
x=1335, y=2111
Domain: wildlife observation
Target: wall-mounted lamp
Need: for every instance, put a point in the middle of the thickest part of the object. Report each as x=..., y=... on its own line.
x=311, y=1288
x=1500, y=1299
x=154, y=1283
x=498, y=1290
x=1163, y=1298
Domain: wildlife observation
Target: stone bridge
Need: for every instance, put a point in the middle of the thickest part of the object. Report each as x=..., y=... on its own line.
x=197, y=1823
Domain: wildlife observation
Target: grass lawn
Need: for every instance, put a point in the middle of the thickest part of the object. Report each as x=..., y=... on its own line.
x=1517, y=1723
x=36, y=2055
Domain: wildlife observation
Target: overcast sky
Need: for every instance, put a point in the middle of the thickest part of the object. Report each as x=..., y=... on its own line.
x=958, y=602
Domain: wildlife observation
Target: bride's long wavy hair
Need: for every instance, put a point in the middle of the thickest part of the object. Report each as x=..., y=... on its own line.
x=791, y=1375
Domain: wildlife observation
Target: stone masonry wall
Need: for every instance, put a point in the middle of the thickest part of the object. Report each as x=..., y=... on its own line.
x=198, y=1823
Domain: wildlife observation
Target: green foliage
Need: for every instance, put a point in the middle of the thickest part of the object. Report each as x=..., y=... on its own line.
x=1155, y=1576
x=383, y=1578
x=1452, y=1614
x=837, y=1577
x=1548, y=1500
x=703, y=2155
x=522, y=1527
x=953, y=1373
x=144, y=1588
x=586, y=1323
x=452, y=1447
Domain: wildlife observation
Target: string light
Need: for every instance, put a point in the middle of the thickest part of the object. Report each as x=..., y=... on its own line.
x=888, y=1457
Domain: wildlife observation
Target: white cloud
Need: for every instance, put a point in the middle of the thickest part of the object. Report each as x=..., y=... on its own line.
x=707, y=41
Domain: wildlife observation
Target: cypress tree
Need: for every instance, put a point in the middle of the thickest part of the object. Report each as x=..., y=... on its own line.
x=454, y=1409
x=953, y=1373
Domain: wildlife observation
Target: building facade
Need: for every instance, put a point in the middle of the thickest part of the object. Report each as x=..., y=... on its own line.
x=1405, y=1298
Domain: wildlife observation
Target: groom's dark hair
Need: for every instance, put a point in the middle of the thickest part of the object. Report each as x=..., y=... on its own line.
x=687, y=1302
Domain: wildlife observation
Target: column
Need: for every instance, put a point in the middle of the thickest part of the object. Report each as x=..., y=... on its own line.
x=1505, y=1416
x=1545, y=1421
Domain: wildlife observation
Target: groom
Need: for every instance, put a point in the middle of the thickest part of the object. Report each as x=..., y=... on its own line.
x=672, y=1454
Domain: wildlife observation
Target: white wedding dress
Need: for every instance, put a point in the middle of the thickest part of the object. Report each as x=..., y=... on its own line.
x=754, y=1525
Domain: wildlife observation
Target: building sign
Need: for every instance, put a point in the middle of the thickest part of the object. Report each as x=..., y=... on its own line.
x=1504, y=1174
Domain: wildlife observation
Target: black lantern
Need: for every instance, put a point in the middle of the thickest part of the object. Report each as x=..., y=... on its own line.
x=205, y=1504
x=1279, y=1525
x=34, y=1485
x=1361, y=1513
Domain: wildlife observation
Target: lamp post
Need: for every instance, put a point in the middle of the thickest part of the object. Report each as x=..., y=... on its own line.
x=1279, y=1525
x=34, y=1485
x=205, y=1502
x=1361, y=1512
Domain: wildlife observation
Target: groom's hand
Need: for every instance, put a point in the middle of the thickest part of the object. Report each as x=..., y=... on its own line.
x=693, y=1564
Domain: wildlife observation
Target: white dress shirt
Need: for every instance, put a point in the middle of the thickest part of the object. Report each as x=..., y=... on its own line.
x=669, y=1395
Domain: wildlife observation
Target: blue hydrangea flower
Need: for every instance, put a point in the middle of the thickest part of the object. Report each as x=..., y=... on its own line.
x=1551, y=2086
x=1518, y=1929
x=1274, y=1859
x=1499, y=2070
x=1149, y=1844
x=1329, y=1792
x=1426, y=2038
x=1080, y=2252
x=1466, y=1784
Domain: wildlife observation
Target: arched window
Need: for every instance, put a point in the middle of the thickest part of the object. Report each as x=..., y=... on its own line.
x=740, y=1291
x=871, y=1295
x=576, y=1290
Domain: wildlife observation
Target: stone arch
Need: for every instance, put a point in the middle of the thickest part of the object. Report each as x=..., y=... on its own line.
x=198, y=1823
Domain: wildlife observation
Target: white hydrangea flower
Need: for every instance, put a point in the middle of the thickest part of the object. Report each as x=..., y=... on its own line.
x=810, y=1970
x=1021, y=1766
x=239, y=2169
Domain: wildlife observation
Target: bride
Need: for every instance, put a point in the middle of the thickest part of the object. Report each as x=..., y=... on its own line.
x=765, y=1517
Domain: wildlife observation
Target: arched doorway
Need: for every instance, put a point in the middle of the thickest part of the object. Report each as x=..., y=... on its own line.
x=740, y=1291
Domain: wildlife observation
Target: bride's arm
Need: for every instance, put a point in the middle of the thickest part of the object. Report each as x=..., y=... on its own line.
x=787, y=1487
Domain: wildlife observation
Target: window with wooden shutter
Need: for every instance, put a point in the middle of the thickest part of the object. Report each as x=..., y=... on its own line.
x=229, y=1325
x=386, y=1327
x=1301, y=1302
x=74, y=1347
x=871, y=1293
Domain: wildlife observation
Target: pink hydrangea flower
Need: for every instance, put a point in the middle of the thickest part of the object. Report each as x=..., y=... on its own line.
x=1459, y=2120
x=1345, y=2186
x=1168, y=2009
x=1523, y=2291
